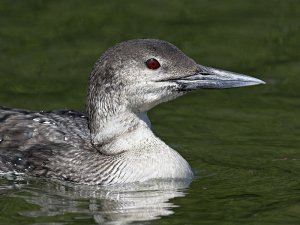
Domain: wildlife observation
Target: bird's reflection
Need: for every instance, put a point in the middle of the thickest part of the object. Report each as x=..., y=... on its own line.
x=120, y=204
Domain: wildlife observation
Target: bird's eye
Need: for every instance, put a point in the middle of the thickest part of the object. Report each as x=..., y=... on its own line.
x=152, y=64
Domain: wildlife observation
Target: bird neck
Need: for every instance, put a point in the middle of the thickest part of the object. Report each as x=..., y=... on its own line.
x=115, y=129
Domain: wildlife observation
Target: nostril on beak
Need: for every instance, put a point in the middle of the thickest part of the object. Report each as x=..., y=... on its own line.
x=204, y=73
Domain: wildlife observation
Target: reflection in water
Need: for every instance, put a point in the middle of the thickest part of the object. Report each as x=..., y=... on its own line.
x=120, y=204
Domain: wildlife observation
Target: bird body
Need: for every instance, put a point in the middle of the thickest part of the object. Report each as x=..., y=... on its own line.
x=57, y=144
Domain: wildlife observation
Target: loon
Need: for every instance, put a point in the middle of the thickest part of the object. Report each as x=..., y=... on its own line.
x=112, y=143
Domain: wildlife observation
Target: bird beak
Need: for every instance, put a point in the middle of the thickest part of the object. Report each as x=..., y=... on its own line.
x=211, y=78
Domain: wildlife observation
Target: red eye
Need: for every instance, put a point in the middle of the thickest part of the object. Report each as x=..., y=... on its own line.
x=152, y=64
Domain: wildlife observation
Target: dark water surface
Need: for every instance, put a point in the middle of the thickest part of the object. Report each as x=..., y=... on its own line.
x=244, y=144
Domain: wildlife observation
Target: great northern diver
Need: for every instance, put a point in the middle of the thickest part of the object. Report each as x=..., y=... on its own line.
x=113, y=143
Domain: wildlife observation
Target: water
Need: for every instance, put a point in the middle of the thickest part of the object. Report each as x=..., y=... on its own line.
x=244, y=144
x=60, y=202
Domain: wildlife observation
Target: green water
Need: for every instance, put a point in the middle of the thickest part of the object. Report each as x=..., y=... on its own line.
x=244, y=144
